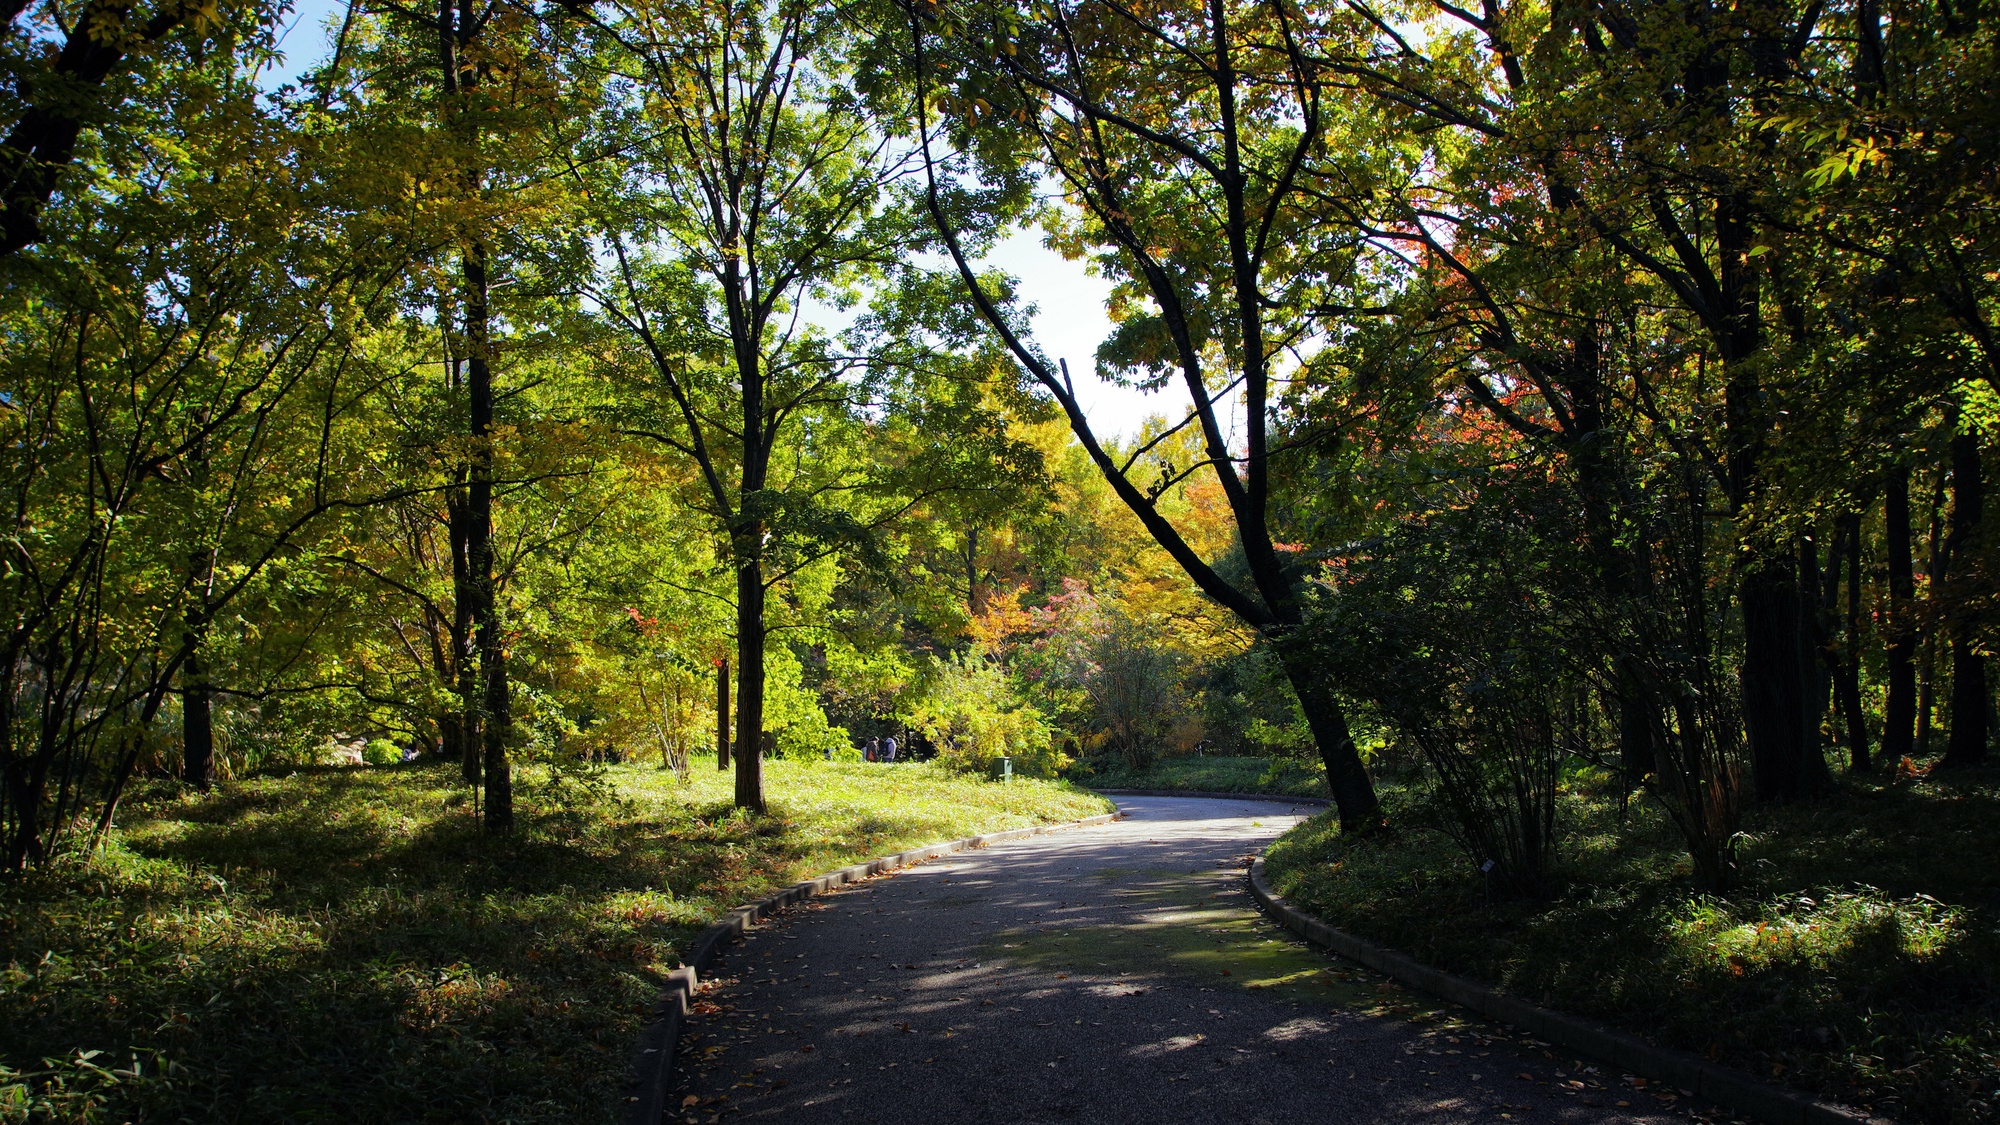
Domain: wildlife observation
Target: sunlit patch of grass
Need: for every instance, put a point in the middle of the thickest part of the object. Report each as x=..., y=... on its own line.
x=1276, y=776
x=1859, y=958
x=345, y=945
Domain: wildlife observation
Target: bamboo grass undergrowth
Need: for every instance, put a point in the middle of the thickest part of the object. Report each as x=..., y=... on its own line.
x=1858, y=960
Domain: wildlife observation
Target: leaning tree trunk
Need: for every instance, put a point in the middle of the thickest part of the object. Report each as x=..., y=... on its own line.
x=1346, y=777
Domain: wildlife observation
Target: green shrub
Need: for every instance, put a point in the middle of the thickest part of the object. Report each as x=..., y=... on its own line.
x=971, y=712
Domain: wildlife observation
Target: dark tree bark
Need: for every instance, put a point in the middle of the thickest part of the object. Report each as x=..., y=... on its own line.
x=197, y=722
x=1817, y=588
x=1938, y=568
x=464, y=727
x=722, y=714
x=1846, y=655
x=496, y=719
x=1899, y=711
x=1776, y=618
x=456, y=28
x=750, y=671
x=1969, y=733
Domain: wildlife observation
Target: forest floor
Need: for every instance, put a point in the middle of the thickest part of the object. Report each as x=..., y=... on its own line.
x=1215, y=774
x=1859, y=958
x=345, y=945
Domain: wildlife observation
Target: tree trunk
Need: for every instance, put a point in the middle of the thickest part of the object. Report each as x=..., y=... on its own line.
x=1847, y=656
x=1775, y=622
x=1815, y=639
x=495, y=717
x=1773, y=682
x=750, y=670
x=1346, y=776
x=1967, y=744
x=197, y=722
x=1899, y=711
x=722, y=714
x=465, y=676
x=1939, y=566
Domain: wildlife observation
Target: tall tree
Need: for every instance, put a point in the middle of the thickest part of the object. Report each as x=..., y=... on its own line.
x=763, y=192
x=1179, y=138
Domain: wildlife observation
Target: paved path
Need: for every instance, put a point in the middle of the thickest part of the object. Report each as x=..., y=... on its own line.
x=1102, y=976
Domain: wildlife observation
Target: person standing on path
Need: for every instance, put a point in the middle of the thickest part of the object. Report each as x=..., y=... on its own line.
x=889, y=749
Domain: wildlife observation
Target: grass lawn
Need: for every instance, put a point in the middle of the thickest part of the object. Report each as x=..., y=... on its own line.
x=344, y=945
x=1217, y=775
x=1859, y=960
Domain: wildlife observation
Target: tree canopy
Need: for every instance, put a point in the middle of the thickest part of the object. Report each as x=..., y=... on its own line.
x=532, y=384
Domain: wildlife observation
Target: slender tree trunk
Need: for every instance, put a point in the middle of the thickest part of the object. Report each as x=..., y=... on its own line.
x=750, y=671
x=465, y=595
x=1847, y=656
x=455, y=31
x=1899, y=711
x=972, y=570
x=722, y=714
x=1938, y=569
x=1815, y=639
x=1969, y=734
x=496, y=723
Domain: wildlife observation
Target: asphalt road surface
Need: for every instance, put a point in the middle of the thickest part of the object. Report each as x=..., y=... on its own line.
x=1102, y=975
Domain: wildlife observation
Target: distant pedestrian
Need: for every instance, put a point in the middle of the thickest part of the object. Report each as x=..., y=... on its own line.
x=872, y=751
x=889, y=749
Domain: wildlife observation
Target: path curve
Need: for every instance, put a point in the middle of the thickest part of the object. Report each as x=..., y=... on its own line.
x=1108, y=975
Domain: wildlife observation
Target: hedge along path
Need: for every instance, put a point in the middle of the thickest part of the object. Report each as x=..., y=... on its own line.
x=1741, y=1092
x=1123, y=974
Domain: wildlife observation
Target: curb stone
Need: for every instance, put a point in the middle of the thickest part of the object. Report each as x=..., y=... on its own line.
x=1740, y=1092
x=1317, y=802
x=653, y=1069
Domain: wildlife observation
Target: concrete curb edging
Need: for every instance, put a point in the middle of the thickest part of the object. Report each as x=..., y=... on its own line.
x=653, y=1068
x=1320, y=802
x=1740, y=1092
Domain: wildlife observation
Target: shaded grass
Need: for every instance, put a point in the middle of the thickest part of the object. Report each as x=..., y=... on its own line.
x=1858, y=960
x=344, y=945
x=1217, y=775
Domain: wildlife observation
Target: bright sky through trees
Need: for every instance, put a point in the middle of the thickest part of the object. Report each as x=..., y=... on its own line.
x=1069, y=321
